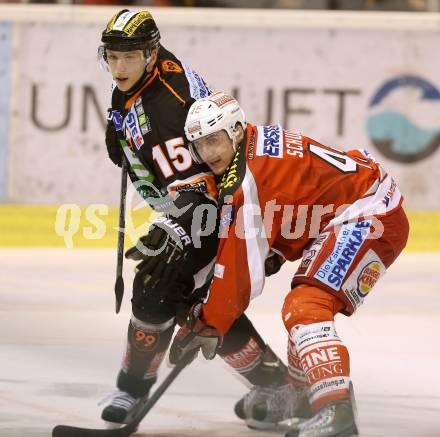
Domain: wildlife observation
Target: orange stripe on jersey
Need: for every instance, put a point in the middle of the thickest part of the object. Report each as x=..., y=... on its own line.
x=208, y=181
x=173, y=91
x=129, y=103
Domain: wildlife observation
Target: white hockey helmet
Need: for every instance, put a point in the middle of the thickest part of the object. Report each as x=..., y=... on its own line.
x=214, y=113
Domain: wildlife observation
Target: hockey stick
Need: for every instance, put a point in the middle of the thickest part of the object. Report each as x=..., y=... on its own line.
x=131, y=427
x=119, y=284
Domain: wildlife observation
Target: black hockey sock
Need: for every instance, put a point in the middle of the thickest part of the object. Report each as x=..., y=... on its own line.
x=245, y=351
x=146, y=347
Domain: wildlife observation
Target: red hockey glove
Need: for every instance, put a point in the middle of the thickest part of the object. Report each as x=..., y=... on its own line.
x=194, y=335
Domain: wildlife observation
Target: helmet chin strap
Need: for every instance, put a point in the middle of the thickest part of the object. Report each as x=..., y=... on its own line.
x=234, y=143
x=148, y=53
x=234, y=139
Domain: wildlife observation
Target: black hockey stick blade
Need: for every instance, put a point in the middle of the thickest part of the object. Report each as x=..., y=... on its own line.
x=72, y=431
x=131, y=427
x=119, y=293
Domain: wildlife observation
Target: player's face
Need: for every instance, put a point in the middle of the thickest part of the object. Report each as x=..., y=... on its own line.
x=126, y=67
x=216, y=150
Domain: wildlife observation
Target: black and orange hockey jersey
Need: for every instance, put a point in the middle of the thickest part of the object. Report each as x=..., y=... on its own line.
x=150, y=126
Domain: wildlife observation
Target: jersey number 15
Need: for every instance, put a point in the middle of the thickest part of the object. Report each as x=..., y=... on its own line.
x=178, y=156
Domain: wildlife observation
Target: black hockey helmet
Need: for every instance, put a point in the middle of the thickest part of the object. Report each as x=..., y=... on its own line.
x=130, y=30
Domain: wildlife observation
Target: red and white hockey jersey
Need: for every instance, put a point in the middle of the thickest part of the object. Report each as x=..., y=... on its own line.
x=280, y=192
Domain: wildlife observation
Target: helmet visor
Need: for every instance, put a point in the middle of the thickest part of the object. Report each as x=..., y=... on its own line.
x=109, y=57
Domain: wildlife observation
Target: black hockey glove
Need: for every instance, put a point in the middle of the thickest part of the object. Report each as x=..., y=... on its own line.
x=162, y=252
x=114, y=149
x=273, y=263
x=195, y=335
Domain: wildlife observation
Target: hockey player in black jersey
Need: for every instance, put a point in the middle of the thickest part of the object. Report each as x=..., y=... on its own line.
x=152, y=93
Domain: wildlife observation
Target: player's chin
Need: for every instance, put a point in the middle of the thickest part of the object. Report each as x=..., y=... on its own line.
x=218, y=171
x=217, y=167
x=123, y=84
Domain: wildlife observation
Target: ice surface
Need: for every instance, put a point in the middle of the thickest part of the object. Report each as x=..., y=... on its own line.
x=61, y=346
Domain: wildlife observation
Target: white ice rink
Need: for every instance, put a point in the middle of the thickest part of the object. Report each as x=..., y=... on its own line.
x=61, y=345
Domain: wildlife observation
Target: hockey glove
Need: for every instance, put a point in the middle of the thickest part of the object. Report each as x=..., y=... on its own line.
x=114, y=149
x=194, y=335
x=273, y=263
x=162, y=252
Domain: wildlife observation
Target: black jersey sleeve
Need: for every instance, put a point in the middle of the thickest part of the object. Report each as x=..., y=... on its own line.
x=114, y=150
x=200, y=221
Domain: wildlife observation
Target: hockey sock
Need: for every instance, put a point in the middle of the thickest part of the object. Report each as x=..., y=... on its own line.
x=296, y=374
x=245, y=351
x=146, y=348
x=324, y=360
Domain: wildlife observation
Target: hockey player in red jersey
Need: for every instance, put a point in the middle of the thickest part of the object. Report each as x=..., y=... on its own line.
x=281, y=191
x=152, y=93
